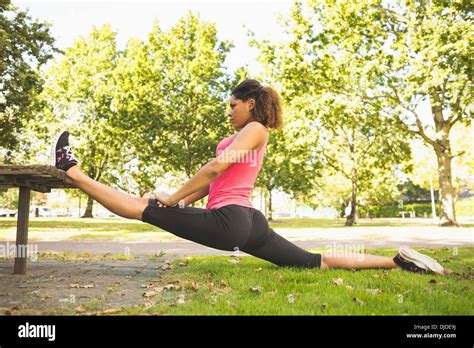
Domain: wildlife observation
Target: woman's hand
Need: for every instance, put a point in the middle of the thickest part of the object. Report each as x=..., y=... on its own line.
x=163, y=199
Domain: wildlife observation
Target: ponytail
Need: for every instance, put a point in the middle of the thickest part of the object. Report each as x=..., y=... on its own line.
x=268, y=107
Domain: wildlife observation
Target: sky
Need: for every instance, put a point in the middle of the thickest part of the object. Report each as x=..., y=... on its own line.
x=135, y=19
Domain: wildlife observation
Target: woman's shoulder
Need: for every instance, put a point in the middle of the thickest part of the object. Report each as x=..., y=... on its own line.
x=256, y=125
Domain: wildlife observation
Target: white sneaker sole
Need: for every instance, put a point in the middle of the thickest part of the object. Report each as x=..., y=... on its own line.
x=52, y=153
x=421, y=260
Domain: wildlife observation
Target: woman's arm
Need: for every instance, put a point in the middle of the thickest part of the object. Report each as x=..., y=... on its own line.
x=196, y=196
x=250, y=138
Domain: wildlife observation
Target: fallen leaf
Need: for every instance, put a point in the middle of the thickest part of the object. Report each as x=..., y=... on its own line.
x=180, y=299
x=171, y=287
x=234, y=260
x=193, y=285
x=182, y=264
x=348, y=287
x=376, y=276
x=374, y=291
x=447, y=271
x=210, y=286
x=256, y=289
x=165, y=267
x=77, y=286
x=259, y=269
x=7, y=311
x=150, y=293
x=110, y=311
x=358, y=301
x=291, y=298
x=80, y=309
x=338, y=281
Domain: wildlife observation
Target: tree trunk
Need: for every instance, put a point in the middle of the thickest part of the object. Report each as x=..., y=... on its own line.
x=88, y=212
x=446, y=189
x=350, y=220
x=270, y=216
x=442, y=147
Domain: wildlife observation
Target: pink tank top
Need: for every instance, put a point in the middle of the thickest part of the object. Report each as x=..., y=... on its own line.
x=235, y=185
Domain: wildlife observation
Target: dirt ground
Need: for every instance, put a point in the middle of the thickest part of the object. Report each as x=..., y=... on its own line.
x=77, y=286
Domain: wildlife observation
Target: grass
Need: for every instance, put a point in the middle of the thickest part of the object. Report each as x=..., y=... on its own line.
x=215, y=286
x=70, y=256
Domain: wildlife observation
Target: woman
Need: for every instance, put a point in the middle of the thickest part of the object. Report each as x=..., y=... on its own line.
x=229, y=220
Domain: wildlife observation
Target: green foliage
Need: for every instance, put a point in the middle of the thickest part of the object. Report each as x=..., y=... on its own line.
x=321, y=73
x=78, y=94
x=464, y=207
x=8, y=199
x=170, y=94
x=26, y=45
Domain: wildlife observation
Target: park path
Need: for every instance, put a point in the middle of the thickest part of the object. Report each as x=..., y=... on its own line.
x=306, y=238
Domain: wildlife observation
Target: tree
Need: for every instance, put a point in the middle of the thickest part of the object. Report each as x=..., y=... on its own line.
x=425, y=166
x=78, y=94
x=431, y=59
x=171, y=96
x=321, y=72
x=26, y=45
x=289, y=163
x=411, y=50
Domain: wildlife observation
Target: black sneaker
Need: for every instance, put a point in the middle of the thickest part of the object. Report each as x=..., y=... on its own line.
x=61, y=154
x=413, y=261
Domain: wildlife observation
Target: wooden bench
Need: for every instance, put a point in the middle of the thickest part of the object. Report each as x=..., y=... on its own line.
x=41, y=178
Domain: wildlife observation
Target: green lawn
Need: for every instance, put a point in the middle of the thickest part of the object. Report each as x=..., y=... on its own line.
x=217, y=286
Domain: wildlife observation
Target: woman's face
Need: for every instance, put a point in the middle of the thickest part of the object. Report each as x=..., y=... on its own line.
x=240, y=112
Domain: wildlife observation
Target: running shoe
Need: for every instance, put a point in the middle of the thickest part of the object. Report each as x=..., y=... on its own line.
x=413, y=261
x=61, y=154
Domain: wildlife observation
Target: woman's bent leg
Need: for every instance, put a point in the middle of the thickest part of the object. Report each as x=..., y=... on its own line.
x=117, y=202
x=223, y=229
x=266, y=244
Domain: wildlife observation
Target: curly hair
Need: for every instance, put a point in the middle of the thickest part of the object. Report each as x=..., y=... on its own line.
x=268, y=108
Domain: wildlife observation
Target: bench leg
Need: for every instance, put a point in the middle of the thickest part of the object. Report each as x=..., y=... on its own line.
x=22, y=230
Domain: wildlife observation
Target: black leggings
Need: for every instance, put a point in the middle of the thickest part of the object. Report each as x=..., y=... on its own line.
x=230, y=227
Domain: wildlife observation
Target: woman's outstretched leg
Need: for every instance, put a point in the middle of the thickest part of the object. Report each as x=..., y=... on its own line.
x=406, y=259
x=117, y=202
x=266, y=244
x=356, y=261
